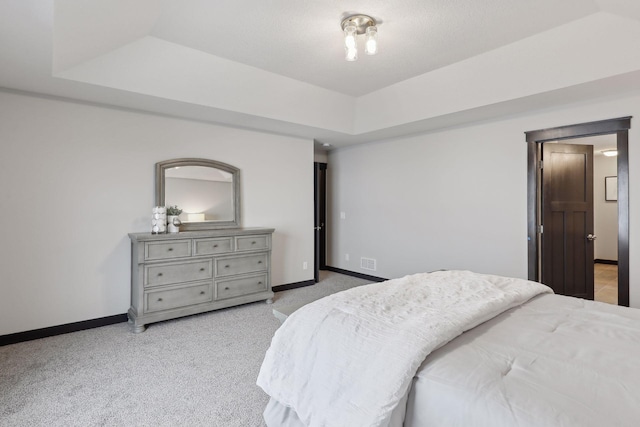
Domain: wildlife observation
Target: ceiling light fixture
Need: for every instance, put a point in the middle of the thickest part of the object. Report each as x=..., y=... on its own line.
x=355, y=25
x=610, y=153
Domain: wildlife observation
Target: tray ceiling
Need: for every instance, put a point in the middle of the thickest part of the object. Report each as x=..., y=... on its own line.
x=279, y=66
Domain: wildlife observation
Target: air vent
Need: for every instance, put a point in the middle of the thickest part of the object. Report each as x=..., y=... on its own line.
x=368, y=264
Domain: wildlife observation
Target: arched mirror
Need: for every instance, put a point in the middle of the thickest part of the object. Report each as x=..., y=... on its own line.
x=208, y=192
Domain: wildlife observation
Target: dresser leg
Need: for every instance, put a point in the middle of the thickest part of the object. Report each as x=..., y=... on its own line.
x=269, y=301
x=139, y=328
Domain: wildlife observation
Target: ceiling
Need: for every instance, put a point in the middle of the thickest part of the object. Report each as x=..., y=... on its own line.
x=303, y=39
x=278, y=66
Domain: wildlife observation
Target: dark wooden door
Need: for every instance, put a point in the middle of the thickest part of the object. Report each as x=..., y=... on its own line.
x=567, y=219
x=320, y=197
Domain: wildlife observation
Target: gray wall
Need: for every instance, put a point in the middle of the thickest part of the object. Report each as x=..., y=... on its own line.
x=454, y=199
x=450, y=200
x=605, y=213
x=77, y=178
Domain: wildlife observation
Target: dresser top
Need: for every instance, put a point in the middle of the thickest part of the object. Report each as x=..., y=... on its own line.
x=145, y=237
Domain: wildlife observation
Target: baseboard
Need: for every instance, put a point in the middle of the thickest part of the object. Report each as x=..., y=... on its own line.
x=61, y=329
x=296, y=285
x=356, y=274
x=118, y=318
x=605, y=261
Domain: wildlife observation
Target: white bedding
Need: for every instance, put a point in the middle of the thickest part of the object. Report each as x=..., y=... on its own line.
x=349, y=359
x=554, y=361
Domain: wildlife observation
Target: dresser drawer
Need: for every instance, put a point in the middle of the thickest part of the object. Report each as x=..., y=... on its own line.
x=212, y=246
x=167, y=250
x=242, y=264
x=165, y=299
x=252, y=243
x=242, y=286
x=177, y=272
x=175, y=275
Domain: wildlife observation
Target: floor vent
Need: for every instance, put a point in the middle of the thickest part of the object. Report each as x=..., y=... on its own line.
x=368, y=264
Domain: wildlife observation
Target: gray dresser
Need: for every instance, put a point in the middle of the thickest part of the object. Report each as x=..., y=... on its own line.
x=174, y=275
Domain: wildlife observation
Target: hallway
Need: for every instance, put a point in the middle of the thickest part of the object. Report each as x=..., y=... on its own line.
x=606, y=283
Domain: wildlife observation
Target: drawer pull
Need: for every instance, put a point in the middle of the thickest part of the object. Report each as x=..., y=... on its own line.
x=259, y=283
x=215, y=246
x=170, y=249
x=159, y=274
x=226, y=288
x=201, y=292
x=259, y=262
x=226, y=266
x=202, y=269
x=253, y=243
x=159, y=299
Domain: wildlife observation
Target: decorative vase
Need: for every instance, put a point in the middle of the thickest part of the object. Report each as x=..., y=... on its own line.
x=159, y=220
x=173, y=223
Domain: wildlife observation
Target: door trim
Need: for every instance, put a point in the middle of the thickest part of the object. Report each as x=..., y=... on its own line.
x=620, y=127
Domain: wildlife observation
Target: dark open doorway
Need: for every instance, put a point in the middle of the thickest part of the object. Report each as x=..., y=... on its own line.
x=535, y=139
x=320, y=218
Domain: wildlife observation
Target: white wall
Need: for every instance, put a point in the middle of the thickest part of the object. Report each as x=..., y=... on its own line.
x=454, y=198
x=605, y=213
x=75, y=179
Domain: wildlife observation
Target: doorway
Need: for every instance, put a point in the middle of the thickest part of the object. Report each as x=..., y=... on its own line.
x=581, y=246
x=579, y=196
x=605, y=214
x=320, y=218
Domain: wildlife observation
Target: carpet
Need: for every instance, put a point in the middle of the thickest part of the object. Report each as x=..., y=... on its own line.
x=198, y=370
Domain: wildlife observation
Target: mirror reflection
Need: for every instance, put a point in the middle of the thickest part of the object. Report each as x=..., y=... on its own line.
x=203, y=193
x=207, y=191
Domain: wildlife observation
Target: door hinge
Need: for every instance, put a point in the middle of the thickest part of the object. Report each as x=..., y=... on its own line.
x=540, y=164
x=540, y=229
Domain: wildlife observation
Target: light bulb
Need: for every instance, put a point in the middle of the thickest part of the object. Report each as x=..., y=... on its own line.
x=350, y=42
x=350, y=36
x=352, y=54
x=371, y=45
x=350, y=46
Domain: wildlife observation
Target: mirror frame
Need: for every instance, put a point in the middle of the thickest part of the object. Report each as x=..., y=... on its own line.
x=161, y=167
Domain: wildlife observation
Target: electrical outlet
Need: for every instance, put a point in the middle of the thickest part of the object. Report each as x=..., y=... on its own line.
x=343, y=215
x=346, y=257
x=304, y=265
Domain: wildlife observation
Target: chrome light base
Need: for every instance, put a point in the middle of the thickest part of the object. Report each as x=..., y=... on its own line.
x=361, y=22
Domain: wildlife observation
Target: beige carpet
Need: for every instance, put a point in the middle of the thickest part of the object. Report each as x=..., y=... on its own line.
x=199, y=370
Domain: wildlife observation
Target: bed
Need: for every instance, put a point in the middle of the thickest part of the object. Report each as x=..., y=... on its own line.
x=454, y=349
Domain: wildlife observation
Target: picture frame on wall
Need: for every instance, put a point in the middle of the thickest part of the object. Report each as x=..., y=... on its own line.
x=610, y=188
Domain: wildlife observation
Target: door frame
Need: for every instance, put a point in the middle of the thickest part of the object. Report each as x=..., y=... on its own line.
x=620, y=127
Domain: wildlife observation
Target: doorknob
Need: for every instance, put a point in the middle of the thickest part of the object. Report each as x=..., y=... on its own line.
x=591, y=237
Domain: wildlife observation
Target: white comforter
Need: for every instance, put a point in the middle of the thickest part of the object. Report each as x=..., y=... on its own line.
x=348, y=359
x=553, y=361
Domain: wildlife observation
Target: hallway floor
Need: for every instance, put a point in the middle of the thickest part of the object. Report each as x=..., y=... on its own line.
x=606, y=283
